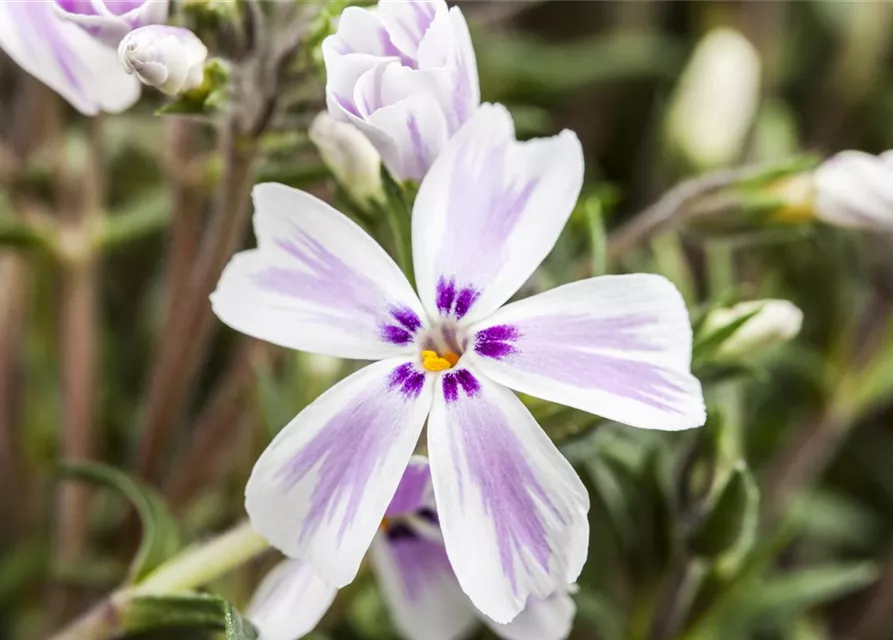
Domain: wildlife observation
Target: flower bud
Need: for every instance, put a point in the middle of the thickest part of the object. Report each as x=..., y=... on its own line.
x=172, y=59
x=855, y=189
x=350, y=156
x=773, y=322
x=716, y=100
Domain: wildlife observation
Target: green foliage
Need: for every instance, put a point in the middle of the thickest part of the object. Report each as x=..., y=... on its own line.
x=194, y=612
x=730, y=519
x=160, y=531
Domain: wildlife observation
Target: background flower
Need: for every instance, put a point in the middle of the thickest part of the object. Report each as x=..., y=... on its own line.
x=60, y=54
x=111, y=20
x=405, y=74
x=424, y=599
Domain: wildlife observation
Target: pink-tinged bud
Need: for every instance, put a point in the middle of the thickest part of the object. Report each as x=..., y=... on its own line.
x=171, y=59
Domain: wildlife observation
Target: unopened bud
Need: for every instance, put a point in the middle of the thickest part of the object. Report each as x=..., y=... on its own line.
x=855, y=189
x=773, y=322
x=715, y=102
x=350, y=157
x=171, y=59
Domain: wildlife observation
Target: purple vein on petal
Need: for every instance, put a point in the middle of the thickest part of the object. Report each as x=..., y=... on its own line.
x=569, y=349
x=347, y=451
x=513, y=498
x=342, y=296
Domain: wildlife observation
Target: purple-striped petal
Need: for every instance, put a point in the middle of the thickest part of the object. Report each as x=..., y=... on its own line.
x=548, y=619
x=405, y=74
x=65, y=58
x=289, y=602
x=616, y=346
x=110, y=20
x=320, y=490
x=414, y=492
x=317, y=282
x=512, y=509
x=488, y=212
x=420, y=588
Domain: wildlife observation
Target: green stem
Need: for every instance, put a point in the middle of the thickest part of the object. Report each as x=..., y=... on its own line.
x=200, y=564
x=193, y=568
x=401, y=240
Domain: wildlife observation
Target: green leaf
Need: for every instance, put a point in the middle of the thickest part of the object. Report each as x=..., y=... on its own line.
x=706, y=345
x=598, y=241
x=207, y=99
x=161, y=535
x=796, y=591
x=731, y=517
x=198, y=611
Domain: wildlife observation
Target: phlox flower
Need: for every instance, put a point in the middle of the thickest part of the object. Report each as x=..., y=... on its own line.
x=404, y=73
x=512, y=510
x=70, y=45
x=419, y=587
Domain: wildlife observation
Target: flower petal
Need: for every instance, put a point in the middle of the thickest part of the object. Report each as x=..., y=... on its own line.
x=65, y=58
x=512, y=509
x=420, y=588
x=408, y=22
x=316, y=282
x=488, y=212
x=289, y=601
x=319, y=491
x=447, y=51
x=616, y=346
x=110, y=24
x=415, y=491
x=549, y=619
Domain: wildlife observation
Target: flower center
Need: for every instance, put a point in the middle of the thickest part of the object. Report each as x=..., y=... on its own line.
x=433, y=361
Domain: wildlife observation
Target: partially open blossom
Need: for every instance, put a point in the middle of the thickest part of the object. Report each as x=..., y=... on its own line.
x=855, y=189
x=405, y=74
x=65, y=57
x=171, y=59
x=512, y=510
x=714, y=105
x=111, y=20
x=418, y=584
x=350, y=156
x=773, y=322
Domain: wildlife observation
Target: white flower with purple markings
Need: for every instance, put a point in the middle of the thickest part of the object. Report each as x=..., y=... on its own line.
x=111, y=20
x=421, y=591
x=855, y=189
x=70, y=45
x=405, y=74
x=512, y=510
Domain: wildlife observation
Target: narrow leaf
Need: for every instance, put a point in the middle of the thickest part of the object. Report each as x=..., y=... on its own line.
x=197, y=611
x=161, y=535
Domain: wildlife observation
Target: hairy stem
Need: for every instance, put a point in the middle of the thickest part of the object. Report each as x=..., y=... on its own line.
x=190, y=326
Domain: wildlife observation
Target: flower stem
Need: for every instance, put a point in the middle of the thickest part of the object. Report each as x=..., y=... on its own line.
x=200, y=564
x=194, y=567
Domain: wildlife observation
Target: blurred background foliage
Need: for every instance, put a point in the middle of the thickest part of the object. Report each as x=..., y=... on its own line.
x=775, y=521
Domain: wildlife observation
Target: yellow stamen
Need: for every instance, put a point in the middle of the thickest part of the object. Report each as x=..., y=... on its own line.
x=385, y=523
x=433, y=362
